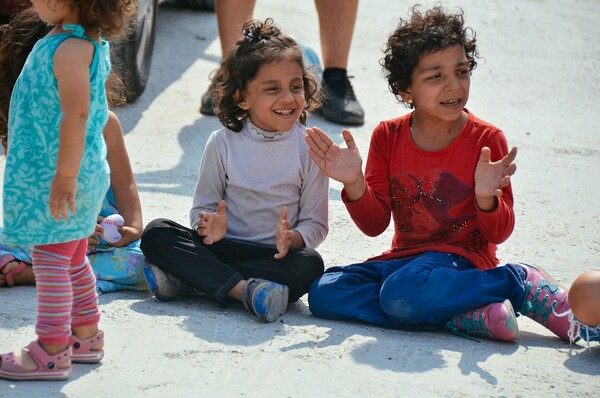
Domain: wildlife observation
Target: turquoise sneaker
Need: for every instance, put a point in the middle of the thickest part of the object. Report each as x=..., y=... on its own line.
x=495, y=321
x=267, y=300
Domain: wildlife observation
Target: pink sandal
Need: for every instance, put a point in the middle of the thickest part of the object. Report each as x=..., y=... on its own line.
x=82, y=352
x=47, y=365
x=10, y=280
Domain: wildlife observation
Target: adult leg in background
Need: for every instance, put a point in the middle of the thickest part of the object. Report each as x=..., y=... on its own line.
x=336, y=25
x=231, y=15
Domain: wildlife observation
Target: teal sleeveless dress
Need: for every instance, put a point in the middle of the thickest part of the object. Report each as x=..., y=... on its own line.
x=115, y=268
x=33, y=137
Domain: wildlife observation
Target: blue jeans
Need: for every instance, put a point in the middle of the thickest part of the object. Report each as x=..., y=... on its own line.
x=421, y=292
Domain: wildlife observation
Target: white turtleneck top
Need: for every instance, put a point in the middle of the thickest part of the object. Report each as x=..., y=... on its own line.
x=257, y=173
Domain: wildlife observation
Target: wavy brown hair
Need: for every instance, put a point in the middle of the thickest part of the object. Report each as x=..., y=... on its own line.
x=424, y=34
x=261, y=43
x=109, y=18
x=17, y=39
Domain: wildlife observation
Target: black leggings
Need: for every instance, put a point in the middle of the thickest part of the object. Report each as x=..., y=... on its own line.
x=215, y=269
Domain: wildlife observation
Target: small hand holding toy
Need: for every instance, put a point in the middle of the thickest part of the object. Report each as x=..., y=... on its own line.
x=110, y=227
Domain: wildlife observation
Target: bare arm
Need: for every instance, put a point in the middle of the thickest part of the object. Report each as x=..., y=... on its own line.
x=122, y=182
x=71, y=68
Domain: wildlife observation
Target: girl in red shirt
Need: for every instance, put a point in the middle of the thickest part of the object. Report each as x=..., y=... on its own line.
x=443, y=175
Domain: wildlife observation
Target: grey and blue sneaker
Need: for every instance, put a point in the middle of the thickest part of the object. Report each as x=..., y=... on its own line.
x=267, y=300
x=164, y=286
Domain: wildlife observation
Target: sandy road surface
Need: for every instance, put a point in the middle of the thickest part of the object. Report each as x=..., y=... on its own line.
x=539, y=82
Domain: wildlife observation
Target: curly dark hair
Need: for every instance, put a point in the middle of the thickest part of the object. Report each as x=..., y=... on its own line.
x=261, y=43
x=424, y=34
x=109, y=18
x=17, y=39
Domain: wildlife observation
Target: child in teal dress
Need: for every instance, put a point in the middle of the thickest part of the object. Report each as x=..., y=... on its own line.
x=117, y=266
x=55, y=177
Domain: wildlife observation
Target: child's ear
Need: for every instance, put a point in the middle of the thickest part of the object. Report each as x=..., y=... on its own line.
x=406, y=96
x=240, y=101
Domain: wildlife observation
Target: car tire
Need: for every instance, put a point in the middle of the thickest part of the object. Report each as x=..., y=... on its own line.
x=133, y=55
x=207, y=5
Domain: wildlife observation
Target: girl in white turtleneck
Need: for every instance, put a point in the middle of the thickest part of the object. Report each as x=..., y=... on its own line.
x=260, y=205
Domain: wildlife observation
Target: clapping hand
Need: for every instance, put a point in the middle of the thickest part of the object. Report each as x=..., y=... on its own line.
x=491, y=177
x=283, y=234
x=341, y=164
x=213, y=225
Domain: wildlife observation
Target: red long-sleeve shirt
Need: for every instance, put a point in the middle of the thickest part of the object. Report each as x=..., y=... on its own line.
x=430, y=195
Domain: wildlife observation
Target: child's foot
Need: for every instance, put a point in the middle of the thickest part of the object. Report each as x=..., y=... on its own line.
x=496, y=321
x=164, y=286
x=544, y=299
x=35, y=363
x=89, y=349
x=267, y=300
x=15, y=272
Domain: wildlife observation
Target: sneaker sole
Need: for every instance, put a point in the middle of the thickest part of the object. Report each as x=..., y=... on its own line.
x=341, y=119
x=207, y=111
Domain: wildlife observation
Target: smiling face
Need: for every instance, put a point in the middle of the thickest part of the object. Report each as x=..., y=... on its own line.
x=274, y=99
x=440, y=83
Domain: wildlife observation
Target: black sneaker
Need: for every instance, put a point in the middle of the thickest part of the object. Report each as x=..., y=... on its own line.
x=340, y=104
x=207, y=104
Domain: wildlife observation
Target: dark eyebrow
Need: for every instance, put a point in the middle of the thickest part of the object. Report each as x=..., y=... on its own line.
x=269, y=81
x=275, y=81
x=431, y=68
x=434, y=67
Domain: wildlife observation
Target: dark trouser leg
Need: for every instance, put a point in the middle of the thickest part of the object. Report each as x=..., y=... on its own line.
x=216, y=269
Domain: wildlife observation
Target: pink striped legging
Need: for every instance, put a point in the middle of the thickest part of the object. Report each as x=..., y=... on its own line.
x=66, y=290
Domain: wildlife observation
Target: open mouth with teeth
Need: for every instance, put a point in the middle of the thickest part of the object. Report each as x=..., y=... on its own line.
x=452, y=102
x=284, y=112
